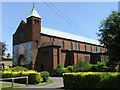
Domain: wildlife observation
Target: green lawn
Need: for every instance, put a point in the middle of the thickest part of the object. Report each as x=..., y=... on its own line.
x=6, y=85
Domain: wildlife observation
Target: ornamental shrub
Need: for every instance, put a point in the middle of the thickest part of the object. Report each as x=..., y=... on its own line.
x=91, y=80
x=59, y=70
x=99, y=67
x=6, y=69
x=70, y=68
x=19, y=68
x=82, y=66
x=33, y=76
x=45, y=76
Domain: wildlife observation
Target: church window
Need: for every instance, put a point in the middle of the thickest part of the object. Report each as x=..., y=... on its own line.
x=78, y=46
x=96, y=49
x=71, y=45
x=35, y=20
x=91, y=48
x=100, y=49
x=85, y=48
x=38, y=21
x=37, y=42
x=62, y=44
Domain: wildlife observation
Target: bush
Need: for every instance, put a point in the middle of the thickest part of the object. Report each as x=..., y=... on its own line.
x=19, y=68
x=70, y=68
x=6, y=69
x=45, y=76
x=99, y=67
x=91, y=80
x=15, y=69
x=59, y=70
x=82, y=66
x=33, y=76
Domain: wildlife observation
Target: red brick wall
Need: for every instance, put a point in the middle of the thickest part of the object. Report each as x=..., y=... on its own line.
x=67, y=44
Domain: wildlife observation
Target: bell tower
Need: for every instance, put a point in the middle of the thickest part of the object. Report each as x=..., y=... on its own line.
x=34, y=27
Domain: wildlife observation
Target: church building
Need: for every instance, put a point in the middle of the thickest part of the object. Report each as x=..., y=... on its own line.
x=41, y=48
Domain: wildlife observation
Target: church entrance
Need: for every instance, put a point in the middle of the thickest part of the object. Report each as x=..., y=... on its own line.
x=21, y=60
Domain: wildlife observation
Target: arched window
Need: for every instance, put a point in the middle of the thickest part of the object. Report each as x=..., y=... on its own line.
x=78, y=46
x=35, y=20
x=96, y=49
x=85, y=48
x=37, y=42
x=91, y=48
x=38, y=21
x=63, y=45
x=71, y=45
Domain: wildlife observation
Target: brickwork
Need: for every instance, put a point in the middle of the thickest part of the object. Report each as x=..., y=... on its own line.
x=47, y=58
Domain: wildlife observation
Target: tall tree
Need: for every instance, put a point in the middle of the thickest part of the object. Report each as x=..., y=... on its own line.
x=109, y=36
x=3, y=47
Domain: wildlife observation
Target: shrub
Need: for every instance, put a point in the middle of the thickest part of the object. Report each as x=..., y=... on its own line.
x=59, y=70
x=99, y=67
x=33, y=76
x=45, y=76
x=70, y=68
x=19, y=68
x=6, y=69
x=91, y=80
x=82, y=66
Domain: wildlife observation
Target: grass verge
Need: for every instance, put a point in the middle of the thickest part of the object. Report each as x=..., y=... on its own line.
x=6, y=85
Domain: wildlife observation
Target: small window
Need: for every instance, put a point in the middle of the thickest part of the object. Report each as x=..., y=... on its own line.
x=35, y=20
x=96, y=49
x=91, y=48
x=71, y=45
x=37, y=42
x=100, y=49
x=85, y=48
x=62, y=44
x=38, y=21
x=78, y=46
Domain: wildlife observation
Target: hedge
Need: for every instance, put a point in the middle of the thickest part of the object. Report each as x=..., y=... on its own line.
x=33, y=76
x=91, y=80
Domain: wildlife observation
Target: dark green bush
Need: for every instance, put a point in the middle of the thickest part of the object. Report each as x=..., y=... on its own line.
x=45, y=76
x=82, y=66
x=34, y=78
x=70, y=68
x=19, y=68
x=91, y=80
x=99, y=67
x=59, y=70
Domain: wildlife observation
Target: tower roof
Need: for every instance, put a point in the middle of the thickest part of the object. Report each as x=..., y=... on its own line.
x=34, y=13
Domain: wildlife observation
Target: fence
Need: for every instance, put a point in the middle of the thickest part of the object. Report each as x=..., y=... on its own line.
x=16, y=78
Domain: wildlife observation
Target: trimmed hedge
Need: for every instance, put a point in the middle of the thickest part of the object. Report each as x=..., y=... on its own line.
x=91, y=80
x=33, y=76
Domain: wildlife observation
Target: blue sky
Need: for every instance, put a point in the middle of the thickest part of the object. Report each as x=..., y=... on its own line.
x=80, y=18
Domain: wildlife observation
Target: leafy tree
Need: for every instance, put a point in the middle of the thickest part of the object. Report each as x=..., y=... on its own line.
x=109, y=36
x=3, y=47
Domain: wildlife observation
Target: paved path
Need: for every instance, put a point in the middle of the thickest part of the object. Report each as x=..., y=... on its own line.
x=57, y=83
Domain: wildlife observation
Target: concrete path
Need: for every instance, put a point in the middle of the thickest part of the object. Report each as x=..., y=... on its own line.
x=57, y=83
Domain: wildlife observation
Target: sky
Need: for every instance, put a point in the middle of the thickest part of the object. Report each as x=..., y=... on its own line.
x=79, y=18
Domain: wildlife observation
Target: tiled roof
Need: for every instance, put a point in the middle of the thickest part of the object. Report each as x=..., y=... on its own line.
x=65, y=35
